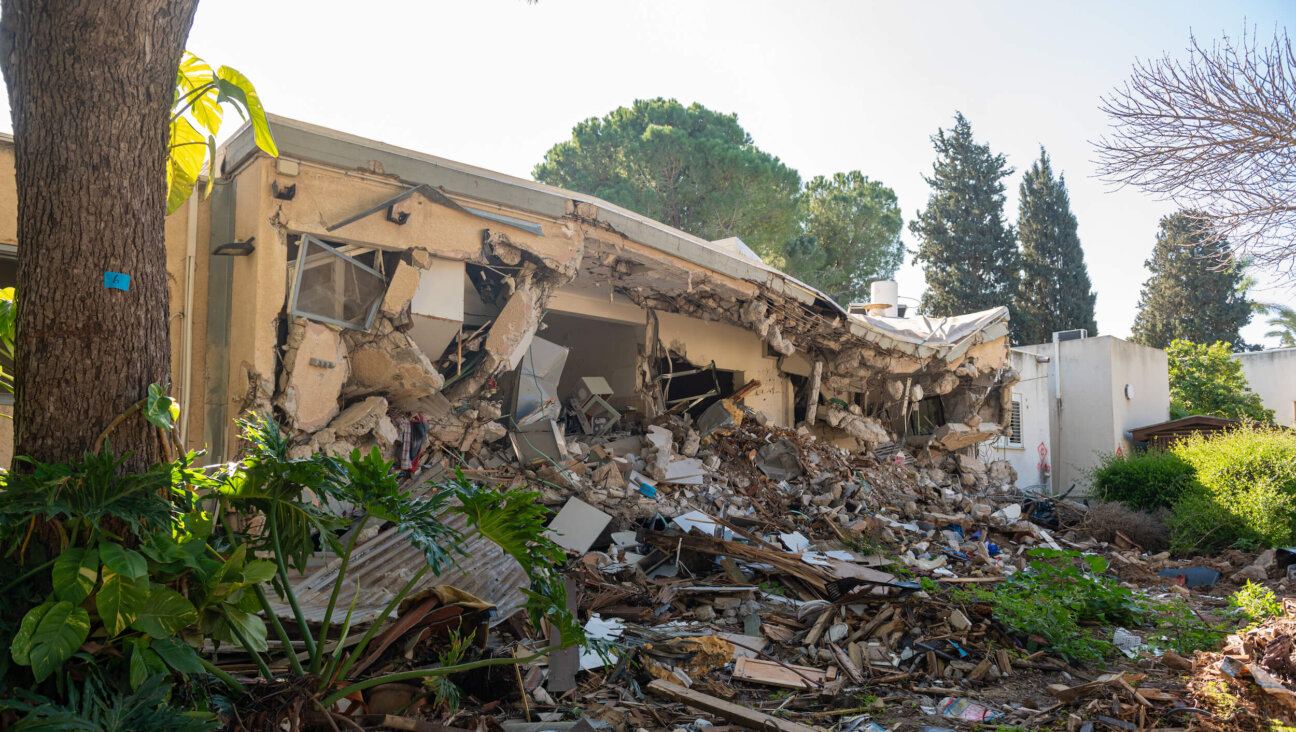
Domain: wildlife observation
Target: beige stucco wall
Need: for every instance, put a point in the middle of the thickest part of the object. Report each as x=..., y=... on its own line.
x=732, y=349
x=8, y=193
x=1272, y=375
x=8, y=235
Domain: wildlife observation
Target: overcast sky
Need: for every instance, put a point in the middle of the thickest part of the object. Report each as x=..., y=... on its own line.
x=826, y=86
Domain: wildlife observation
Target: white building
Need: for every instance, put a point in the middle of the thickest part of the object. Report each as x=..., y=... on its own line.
x=1076, y=401
x=1272, y=375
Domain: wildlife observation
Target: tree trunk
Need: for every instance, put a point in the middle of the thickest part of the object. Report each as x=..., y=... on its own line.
x=91, y=84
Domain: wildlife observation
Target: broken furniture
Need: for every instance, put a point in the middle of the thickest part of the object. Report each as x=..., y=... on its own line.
x=590, y=404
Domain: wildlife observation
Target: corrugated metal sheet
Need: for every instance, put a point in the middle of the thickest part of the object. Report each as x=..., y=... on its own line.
x=381, y=566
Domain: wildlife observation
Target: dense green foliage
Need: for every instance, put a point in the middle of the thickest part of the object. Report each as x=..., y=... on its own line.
x=851, y=236
x=1055, y=292
x=1195, y=293
x=1245, y=491
x=968, y=251
x=690, y=167
x=1208, y=380
x=1143, y=480
x=138, y=574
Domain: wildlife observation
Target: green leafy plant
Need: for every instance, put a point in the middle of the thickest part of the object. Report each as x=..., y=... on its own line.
x=95, y=705
x=1256, y=603
x=200, y=96
x=1058, y=592
x=1143, y=480
x=1245, y=490
x=268, y=483
x=1182, y=630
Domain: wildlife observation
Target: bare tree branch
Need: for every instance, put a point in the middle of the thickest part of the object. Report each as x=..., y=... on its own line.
x=1215, y=133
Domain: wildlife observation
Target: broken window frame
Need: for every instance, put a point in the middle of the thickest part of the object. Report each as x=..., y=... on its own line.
x=926, y=416
x=1015, y=424
x=303, y=248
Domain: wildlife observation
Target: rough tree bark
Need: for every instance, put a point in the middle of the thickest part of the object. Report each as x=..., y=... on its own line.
x=91, y=84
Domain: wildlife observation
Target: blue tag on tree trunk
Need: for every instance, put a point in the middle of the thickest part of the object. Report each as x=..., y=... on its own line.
x=117, y=281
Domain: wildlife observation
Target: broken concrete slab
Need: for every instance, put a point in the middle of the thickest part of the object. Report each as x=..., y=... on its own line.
x=315, y=369
x=396, y=368
x=577, y=526
x=401, y=287
x=957, y=435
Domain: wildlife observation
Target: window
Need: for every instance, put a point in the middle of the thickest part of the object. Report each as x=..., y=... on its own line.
x=332, y=287
x=1015, y=422
x=927, y=416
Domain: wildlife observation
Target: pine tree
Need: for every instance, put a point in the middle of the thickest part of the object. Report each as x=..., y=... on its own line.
x=968, y=252
x=1055, y=290
x=1195, y=292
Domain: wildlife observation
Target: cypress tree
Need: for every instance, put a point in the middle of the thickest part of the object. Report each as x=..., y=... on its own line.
x=969, y=253
x=1055, y=290
x=1196, y=292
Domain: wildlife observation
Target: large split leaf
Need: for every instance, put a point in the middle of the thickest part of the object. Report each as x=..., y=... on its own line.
x=120, y=601
x=61, y=630
x=237, y=86
x=235, y=626
x=178, y=655
x=75, y=573
x=123, y=561
x=165, y=613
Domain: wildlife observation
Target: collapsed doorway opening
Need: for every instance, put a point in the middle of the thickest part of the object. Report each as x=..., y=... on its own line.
x=690, y=388
x=597, y=349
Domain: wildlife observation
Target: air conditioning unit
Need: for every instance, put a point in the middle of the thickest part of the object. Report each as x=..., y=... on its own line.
x=1070, y=335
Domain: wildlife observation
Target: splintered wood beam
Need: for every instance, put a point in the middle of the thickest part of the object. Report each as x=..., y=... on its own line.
x=739, y=715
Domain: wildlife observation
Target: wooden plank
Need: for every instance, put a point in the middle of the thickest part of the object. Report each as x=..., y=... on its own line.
x=770, y=673
x=739, y=715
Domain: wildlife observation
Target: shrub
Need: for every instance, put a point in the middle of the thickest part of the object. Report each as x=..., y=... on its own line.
x=1256, y=603
x=1245, y=490
x=1144, y=480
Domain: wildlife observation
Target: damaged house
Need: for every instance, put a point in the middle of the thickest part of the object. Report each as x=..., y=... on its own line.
x=377, y=296
x=370, y=295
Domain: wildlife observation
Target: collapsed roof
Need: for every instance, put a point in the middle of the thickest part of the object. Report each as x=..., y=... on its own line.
x=396, y=235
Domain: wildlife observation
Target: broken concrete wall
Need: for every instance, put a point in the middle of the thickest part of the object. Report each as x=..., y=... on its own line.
x=732, y=349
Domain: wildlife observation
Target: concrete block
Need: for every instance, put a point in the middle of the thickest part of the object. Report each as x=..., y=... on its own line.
x=404, y=283
x=314, y=373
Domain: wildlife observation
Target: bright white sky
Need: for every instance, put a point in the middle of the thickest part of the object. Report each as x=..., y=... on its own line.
x=826, y=86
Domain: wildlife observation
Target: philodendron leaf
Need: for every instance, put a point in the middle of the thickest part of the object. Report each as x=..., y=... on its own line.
x=165, y=613
x=120, y=601
x=160, y=409
x=20, y=646
x=238, y=87
x=178, y=655
x=75, y=573
x=123, y=561
x=257, y=571
x=251, y=627
x=58, y=635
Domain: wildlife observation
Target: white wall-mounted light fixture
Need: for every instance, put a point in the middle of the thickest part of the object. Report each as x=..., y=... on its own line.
x=1129, y=391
